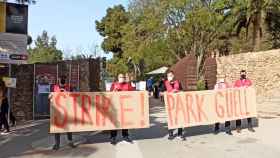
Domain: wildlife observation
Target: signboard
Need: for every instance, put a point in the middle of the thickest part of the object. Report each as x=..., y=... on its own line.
x=186, y=109
x=141, y=86
x=13, y=18
x=10, y=82
x=77, y=112
x=108, y=85
x=13, y=48
x=46, y=74
x=13, y=33
x=42, y=89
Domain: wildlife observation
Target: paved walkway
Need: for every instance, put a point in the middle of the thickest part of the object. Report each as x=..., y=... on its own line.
x=34, y=141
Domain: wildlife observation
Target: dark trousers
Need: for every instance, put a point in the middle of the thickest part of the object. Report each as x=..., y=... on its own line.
x=114, y=133
x=227, y=126
x=4, y=121
x=12, y=119
x=57, y=138
x=180, y=132
x=250, y=124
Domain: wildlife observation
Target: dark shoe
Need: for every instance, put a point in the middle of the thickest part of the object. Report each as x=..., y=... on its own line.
x=251, y=129
x=71, y=144
x=56, y=147
x=171, y=137
x=6, y=132
x=127, y=139
x=216, y=131
x=183, y=138
x=229, y=132
x=113, y=140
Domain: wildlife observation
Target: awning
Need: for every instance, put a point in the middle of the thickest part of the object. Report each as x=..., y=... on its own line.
x=161, y=70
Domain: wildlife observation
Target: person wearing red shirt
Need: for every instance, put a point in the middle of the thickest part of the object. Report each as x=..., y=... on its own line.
x=121, y=85
x=171, y=85
x=243, y=82
x=62, y=87
x=220, y=86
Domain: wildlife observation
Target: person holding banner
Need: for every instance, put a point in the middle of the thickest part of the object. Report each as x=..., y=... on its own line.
x=243, y=82
x=171, y=85
x=62, y=87
x=219, y=86
x=121, y=85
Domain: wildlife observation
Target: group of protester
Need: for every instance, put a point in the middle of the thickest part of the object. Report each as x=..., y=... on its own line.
x=242, y=82
x=170, y=85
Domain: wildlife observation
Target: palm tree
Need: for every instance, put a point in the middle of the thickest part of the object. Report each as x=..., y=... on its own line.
x=251, y=14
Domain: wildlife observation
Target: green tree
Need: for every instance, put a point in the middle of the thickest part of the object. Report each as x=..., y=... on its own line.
x=110, y=27
x=45, y=50
x=272, y=20
x=161, y=32
x=257, y=18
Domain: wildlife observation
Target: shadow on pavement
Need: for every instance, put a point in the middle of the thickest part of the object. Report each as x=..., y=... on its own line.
x=19, y=144
x=158, y=127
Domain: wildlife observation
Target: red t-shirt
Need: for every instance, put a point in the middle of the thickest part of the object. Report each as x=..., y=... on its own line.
x=242, y=83
x=175, y=87
x=58, y=88
x=116, y=86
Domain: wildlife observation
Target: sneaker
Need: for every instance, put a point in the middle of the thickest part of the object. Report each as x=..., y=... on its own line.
x=56, y=147
x=113, y=140
x=251, y=129
x=216, y=131
x=171, y=137
x=229, y=132
x=127, y=139
x=183, y=138
x=5, y=132
x=71, y=144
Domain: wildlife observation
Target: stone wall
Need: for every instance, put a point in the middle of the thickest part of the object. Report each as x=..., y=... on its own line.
x=22, y=95
x=263, y=69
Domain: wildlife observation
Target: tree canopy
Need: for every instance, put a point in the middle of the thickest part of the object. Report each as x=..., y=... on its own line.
x=45, y=50
x=154, y=33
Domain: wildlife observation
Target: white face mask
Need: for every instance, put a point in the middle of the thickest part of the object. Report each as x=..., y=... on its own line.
x=170, y=78
x=121, y=80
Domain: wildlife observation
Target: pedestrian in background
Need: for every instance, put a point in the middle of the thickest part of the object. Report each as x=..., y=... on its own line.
x=4, y=109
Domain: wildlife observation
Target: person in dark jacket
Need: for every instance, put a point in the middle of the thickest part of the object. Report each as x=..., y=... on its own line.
x=62, y=87
x=4, y=109
x=171, y=85
x=161, y=87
